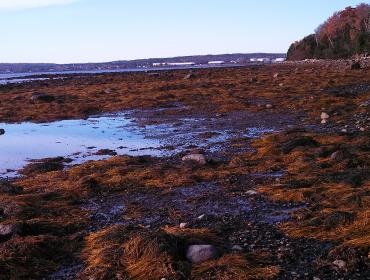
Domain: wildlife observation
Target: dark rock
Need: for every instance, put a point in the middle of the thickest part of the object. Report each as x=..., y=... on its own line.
x=42, y=97
x=106, y=152
x=45, y=165
x=340, y=155
x=6, y=187
x=355, y=65
x=338, y=218
x=2, y=131
x=301, y=141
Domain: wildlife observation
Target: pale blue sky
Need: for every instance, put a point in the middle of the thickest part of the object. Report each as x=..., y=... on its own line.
x=65, y=31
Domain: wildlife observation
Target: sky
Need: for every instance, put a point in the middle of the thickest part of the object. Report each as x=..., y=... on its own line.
x=72, y=31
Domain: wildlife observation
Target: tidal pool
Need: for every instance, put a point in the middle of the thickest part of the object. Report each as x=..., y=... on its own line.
x=79, y=140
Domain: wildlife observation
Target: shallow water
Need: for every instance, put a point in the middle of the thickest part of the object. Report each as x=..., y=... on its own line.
x=16, y=78
x=76, y=139
x=80, y=140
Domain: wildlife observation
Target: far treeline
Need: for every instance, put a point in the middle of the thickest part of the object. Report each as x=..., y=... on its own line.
x=344, y=35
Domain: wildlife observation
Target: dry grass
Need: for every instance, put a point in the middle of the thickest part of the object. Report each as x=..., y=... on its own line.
x=336, y=190
x=121, y=252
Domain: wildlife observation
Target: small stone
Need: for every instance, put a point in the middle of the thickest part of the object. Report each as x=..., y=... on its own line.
x=201, y=253
x=251, y=192
x=197, y=158
x=237, y=248
x=183, y=225
x=344, y=130
x=189, y=76
x=324, y=116
x=269, y=106
x=362, y=129
x=324, y=121
x=2, y=131
x=340, y=264
x=316, y=278
x=276, y=75
x=202, y=217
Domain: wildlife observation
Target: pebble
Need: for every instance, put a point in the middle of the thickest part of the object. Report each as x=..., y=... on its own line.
x=183, y=225
x=237, y=248
x=269, y=106
x=251, y=192
x=189, y=76
x=201, y=217
x=324, y=116
x=340, y=264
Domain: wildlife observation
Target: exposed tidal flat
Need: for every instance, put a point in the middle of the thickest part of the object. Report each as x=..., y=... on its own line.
x=254, y=172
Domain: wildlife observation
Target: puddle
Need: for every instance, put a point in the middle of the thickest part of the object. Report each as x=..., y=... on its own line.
x=79, y=140
x=124, y=133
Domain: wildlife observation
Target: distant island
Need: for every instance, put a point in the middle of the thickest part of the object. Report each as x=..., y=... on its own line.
x=343, y=35
x=181, y=61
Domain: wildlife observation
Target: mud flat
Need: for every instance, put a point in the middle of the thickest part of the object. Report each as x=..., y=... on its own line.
x=276, y=188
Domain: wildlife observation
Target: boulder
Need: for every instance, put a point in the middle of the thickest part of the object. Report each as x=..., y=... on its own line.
x=2, y=131
x=196, y=158
x=201, y=253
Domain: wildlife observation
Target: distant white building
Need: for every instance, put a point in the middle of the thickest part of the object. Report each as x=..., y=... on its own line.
x=216, y=62
x=280, y=59
x=158, y=64
x=253, y=60
x=264, y=60
x=181, y=63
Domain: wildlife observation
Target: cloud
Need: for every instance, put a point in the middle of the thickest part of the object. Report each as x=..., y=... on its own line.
x=26, y=4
